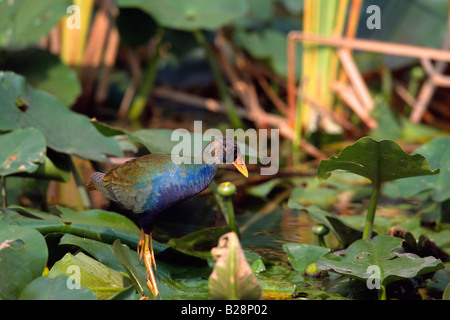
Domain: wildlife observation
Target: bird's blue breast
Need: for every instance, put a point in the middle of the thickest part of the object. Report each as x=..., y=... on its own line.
x=177, y=183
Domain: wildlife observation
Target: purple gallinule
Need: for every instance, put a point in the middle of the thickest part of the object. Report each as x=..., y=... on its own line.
x=150, y=184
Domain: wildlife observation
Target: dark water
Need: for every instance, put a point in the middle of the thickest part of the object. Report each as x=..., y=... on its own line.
x=261, y=233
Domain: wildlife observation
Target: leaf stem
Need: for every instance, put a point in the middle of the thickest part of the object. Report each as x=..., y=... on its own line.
x=226, y=206
x=370, y=217
x=86, y=202
x=3, y=192
x=382, y=293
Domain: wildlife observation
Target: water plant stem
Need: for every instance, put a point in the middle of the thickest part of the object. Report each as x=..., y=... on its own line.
x=370, y=217
x=3, y=192
x=84, y=197
x=231, y=109
x=230, y=213
x=382, y=293
x=139, y=102
x=223, y=195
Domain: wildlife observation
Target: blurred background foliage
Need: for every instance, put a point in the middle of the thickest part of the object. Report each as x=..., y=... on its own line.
x=75, y=100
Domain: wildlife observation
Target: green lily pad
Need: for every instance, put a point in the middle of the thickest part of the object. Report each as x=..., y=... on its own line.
x=379, y=253
x=50, y=74
x=301, y=255
x=103, y=252
x=378, y=161
x=23, y=255
x=44, y=288
x=22, y=150
x=190, y=15
x=101, y=225
x=437, y=186
x=135, y=273
x=85, y=271
x=25, y=22
x=23, y=106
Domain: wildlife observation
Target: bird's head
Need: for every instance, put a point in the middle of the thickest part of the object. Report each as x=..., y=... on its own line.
x=225, y=150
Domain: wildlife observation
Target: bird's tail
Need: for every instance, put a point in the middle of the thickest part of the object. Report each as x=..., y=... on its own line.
x=96, y=178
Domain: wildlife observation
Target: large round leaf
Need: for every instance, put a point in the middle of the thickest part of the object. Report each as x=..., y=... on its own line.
x=23, y=255
x=44, y=288
x=64, y=130
x=379, y=252
x=21, y=151
x=105, y=226
x=25, y=22
x=301, y=255
x=378, y=161
x=190, y=15
x=437, y=152
x=50, y=74
x=87, y=272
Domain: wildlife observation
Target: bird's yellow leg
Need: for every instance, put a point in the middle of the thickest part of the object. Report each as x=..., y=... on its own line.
x=149, y=260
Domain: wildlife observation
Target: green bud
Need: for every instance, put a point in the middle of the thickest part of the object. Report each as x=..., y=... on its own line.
x=226, y=189
x=320, y=230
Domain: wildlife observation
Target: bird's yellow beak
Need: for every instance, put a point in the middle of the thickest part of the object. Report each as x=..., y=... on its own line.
x=240, y=165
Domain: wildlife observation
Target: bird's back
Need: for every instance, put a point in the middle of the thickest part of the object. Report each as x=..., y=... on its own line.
x=153, y=182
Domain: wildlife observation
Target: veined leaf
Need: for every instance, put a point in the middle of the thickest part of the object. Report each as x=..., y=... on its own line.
x=23, y=255
x=378, y=161
x=22, y=150
x=65, y=131
x=190, y=15
x=379, y=253
x=104, y=281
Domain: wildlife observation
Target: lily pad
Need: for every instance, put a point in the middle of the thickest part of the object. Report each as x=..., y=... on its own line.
x=85, y=271
x=379, y=253
x=23, y=106
x=50, y=74
x=23, y=255
x=96, y=224
x=301, y=255
x=128, y=262
x=190, y=15
x=378, y=161
x=437, y=186
x=25, y=22
x=103, y=252
x=44, y=288
x=22, y=150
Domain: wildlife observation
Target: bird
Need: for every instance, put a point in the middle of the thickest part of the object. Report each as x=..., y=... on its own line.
x=150, y=184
